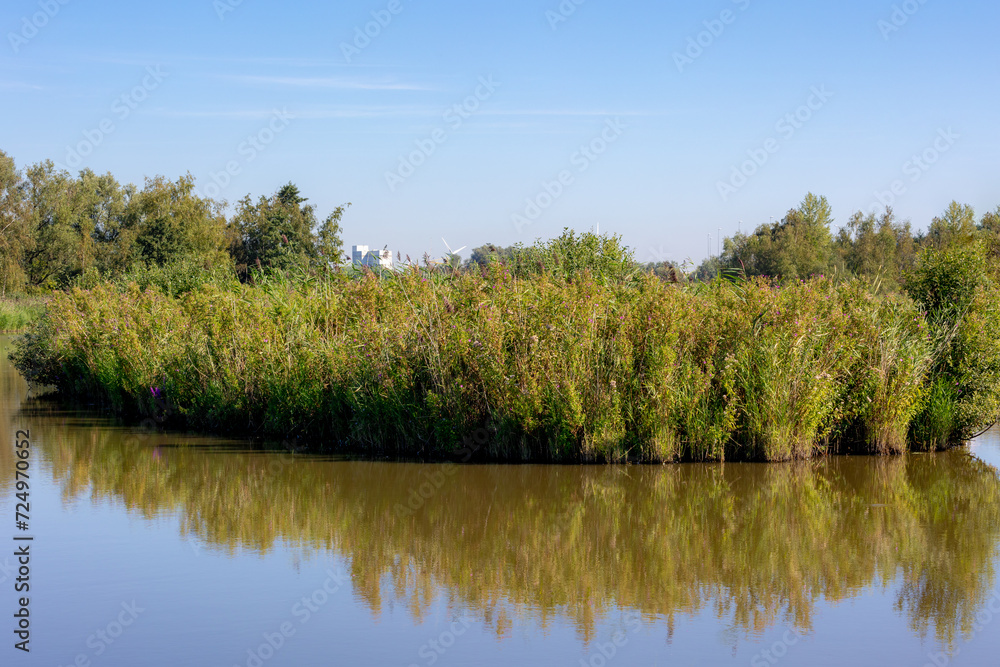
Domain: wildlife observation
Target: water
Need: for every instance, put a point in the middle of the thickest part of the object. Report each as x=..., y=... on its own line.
x=165, y=549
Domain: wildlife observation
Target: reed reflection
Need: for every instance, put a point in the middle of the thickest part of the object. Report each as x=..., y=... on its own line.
x=759, y=544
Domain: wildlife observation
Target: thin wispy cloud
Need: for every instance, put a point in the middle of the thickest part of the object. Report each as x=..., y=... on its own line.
x=275, y=61
x=225, y=114
x=392, y=111
x=24, y=67
x=320, y=113
x=18, y=86
x=324, y=82
x=566, y=112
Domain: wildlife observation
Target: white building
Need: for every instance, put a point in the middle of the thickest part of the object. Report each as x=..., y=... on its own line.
x=373, y=259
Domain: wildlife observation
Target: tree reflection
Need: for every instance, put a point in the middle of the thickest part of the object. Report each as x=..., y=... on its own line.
x=756, y=543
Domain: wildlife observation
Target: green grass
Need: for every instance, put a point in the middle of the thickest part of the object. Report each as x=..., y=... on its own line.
x=17, y=315
x=558, y=370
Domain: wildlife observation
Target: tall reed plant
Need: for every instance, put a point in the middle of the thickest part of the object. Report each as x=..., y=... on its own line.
x=557, y=368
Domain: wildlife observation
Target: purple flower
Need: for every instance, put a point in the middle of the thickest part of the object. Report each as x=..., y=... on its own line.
x=156, y=392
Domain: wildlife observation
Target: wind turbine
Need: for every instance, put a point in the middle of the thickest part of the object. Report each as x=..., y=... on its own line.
x=452, y=254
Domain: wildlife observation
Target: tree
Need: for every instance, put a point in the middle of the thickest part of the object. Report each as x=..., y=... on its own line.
x=277, y=233
x=962, y=302
x=329, y=244
x=989, y=230
x=991, y=222
x=102, y=202
x=57, y=245
x=168, y=222
x=798, y=246
x=15, y=236
x=484, y=255
x=274, y=233
x=56, y=226
x=72, y=226
x=955, y=228
x=877, y=246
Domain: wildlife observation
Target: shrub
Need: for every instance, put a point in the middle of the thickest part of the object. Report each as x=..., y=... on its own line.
x=962, y=303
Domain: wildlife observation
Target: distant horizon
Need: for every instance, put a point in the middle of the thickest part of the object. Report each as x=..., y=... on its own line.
x=504, y=124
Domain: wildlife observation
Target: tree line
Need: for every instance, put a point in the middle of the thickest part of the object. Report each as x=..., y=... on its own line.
x=800, y=245
x=803, y=243
x=57, y=230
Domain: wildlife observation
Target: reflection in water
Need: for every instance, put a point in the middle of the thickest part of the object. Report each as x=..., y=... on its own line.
x=13, y=391
x=755, y=543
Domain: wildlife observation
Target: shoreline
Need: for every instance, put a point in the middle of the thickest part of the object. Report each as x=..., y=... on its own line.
x=145, y=427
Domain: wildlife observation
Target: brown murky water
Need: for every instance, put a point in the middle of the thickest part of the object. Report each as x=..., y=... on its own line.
x=218, y=554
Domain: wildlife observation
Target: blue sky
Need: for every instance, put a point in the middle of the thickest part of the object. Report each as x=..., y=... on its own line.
x=618, y=101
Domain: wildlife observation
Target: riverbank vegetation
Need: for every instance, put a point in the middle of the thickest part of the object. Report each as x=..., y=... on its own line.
x=562, y=369
x=794, y=343
x=18, y=314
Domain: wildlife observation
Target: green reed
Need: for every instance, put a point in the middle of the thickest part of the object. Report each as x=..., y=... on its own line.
x=413, y=363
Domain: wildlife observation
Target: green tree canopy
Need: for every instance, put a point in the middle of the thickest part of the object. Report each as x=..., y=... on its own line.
x=329, y=243
x=166, y=221
x=274, y=233
x=279, y=233
x=955, y=228
x=15, y=235
x=877, y=245
x=798, y=246
x=60, y=247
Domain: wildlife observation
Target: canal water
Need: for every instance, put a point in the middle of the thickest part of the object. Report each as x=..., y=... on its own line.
x=155, y=548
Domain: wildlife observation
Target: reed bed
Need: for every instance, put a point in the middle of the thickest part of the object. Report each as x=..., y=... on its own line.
x=558, y=370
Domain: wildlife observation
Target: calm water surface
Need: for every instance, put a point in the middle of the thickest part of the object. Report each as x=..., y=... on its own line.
x=208, y=549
